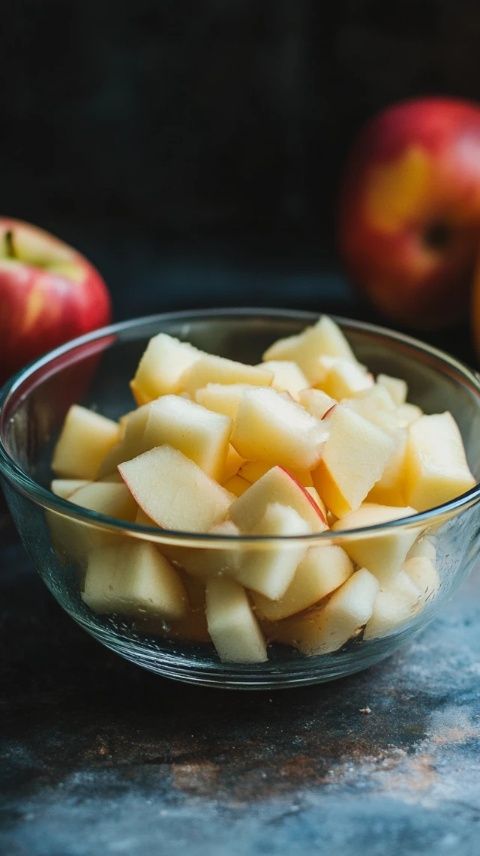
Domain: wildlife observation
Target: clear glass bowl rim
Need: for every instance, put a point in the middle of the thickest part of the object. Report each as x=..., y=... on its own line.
x=43, y=497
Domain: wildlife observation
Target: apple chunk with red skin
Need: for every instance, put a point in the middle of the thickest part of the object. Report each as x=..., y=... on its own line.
x=174, y=492
x=49, y=293
x=277, y=485
x=409, y=221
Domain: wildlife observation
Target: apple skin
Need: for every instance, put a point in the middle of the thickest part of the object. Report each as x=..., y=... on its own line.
x=409, y=216
x=49, y=293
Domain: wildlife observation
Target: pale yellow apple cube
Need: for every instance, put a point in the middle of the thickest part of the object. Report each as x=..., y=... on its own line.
x=232, y=625
x=219, y=370
x=327, y=628
x=382, y=554
x=395, y=386
x=222, y=397
x=133, y=579
x=277, y=485
x=85, y=439
x=269, y=568
x=324, y=339
x=174, y=491
x=345, y=379
x=163, y=363
x=436, y=466
x=65, y=487
x=354, y=458
x=321, y=571
x=200, y=434
x=272, y=427
x=287, y=376
x=317, y=402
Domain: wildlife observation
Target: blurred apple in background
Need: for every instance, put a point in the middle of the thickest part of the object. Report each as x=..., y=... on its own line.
x=49, y=293
x=409, y=221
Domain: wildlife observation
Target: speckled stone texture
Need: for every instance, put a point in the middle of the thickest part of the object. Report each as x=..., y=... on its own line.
x=100, y=757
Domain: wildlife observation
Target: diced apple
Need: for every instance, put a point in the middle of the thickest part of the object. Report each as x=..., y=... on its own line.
x=162, y=365
x=212, y=369
x=233, y=463
x=277, y=485
x=271, y=427
x=424, y=575
x=131, y=443
x=354, y=458
x=193, y=626
x=85, y=439
x=254, y=470
x=376, y=405
x=345, y=379
x=316, y=498
x=133, y=579
x=174, y=491
x=389, y=614
x=65, y=487
x=382, y=554
x=323, y=339
x=317, y=402
x=390, y=488
x=236, y=485
x=327, y=628
x=198, y=433
x=395, y=386
x=74, y=538
x=269, y=568
x=109, y=498
x=322, y=570
x=205, y=561
x=222, y=397
x=424, y=548
x=287, y=376
x=232, y=625
x=436, y=466
x=407, y=413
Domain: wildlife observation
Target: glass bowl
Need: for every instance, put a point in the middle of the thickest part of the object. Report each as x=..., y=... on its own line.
x=94, y=370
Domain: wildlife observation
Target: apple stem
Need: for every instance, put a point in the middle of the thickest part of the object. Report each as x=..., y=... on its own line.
x=9, y=245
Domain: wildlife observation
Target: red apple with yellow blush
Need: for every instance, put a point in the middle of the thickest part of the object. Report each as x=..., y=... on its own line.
x=49, y=293
x=409, y=219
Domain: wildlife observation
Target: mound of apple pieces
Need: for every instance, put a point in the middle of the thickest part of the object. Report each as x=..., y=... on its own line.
x=305, y=442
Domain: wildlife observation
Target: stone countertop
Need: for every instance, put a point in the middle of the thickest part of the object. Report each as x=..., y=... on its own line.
x=101, y=757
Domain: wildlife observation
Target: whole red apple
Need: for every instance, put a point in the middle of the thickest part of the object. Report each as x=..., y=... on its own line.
x=49, y=293
x=409, y=221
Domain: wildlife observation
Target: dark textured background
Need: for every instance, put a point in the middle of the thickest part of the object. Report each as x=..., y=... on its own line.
x=194, y=149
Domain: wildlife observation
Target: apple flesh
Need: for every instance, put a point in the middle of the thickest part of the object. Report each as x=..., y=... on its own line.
x=85, y=439
x=189, y=500
x=133, y=579
x=324, y=339
x=382, y=554
x=272, y=427
x=270, y=568
x=321, y=571
x=198, y=433
x=49, y=293
x=354, y=458
x=436, y=466
x=277, y=485
x=409, y=221
x=232, y=625
x=327, y=628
